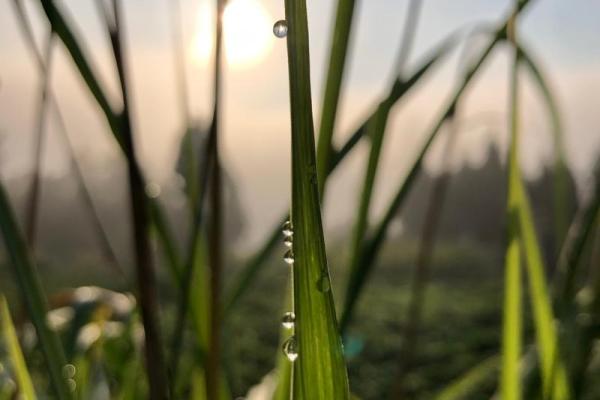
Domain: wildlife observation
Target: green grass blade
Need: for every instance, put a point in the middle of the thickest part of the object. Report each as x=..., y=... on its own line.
x=554, y=381
x=554, y=377
x=561, y=199
x=400, y=87
x=69, y=39
x=320, y=364
x=335, y=74
x=33, y=296
x=372, y=245
x=283, y=367
x=510, y=385
x=11, y=342
x=464, y=386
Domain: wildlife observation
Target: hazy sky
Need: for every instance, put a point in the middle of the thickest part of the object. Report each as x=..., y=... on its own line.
x=564, y=35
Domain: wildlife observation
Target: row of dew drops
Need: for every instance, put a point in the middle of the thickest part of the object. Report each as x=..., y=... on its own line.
x=290, y=346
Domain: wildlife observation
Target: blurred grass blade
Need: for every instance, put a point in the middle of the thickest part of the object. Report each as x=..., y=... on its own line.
x=88, y=202
x=373, y=244
x=400, y=87
x=510, y=385
x=421, y=273
x=33, y=197
x=554, y=380
x=61, y=28
x=33, y=296
x=144, y=266
x=554, y=377
x=320, y=364
x=11, y=344
x=561, y=199
x=376, y=129
x=463, y=387
x=335, y=74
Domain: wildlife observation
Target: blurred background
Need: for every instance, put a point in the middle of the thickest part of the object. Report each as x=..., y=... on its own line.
x=462, y=316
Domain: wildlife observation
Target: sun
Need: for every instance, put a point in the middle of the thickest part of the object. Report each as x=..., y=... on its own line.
x=246, y=33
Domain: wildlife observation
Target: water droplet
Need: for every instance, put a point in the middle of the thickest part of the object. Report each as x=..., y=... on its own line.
x=72, y=384
x=288, y=320
x=280, y=29
x=324, y=285
x=69, y=371
x=288, y=242
x=287, y=230
x=290, y=349
x=288, y=257
x=153, y=190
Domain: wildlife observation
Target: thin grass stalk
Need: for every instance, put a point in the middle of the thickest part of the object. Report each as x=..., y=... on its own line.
x=148, y=298
x=560, y=201
x=39, y=138
x=421, y=274
x=283, y=366
x=42, y=67
x=186, y=277
x=335, y=75
x=33, y=296
x=319, y=371
x=468, y=383
x=373, y=244
x=215, y=227
x=62, y=30
x=376, y=130
x=15, y=354
x=579, y=238
x=554, y=378
x=510, y=385
x=400, y=88
x=75, y=49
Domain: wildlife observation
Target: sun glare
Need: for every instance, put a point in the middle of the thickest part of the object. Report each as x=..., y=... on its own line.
x=247, y=33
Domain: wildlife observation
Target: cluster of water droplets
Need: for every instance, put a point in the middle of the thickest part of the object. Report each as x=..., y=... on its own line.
x=290, y=346
x=69, y=372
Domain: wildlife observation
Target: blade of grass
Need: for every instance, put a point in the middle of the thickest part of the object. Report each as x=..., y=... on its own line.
x=554, y=379
x=62, y=29
x=333, y=86
x=468, y=383
x=421, y=273
x=33, y=296
x=561, y=200
x=374, y=243
x=148, y=298
x=283, y=366
x=114, y=120
x=39, y=139
x=215, y=226
x=253, y=266
x=11, y=343
x=510, y=385
x=88, y=202
x=376, y=129
x=320, y=364
x=580, y=236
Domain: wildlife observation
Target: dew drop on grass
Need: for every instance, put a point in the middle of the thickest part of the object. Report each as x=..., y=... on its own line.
x=324, y=285
x=288, y=320
x=280, y=29
x=69, y=371
x=288, y=257
x=72, y=384
x=287, y=229
x=290, y=349
x=288, y=242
